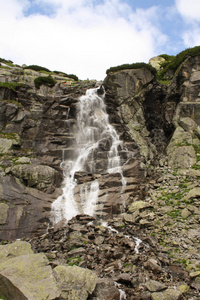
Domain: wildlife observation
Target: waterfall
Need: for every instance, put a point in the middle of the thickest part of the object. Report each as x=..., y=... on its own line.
x=95, y=137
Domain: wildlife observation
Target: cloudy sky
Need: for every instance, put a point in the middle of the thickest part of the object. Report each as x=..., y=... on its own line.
x=86, y=37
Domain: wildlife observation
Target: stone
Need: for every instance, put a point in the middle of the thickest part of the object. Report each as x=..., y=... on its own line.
x=185, y=213
x=194, y=274
x=184, y=288
x=75, y=282
x=156, y=62
x=155, y=286
x=193, y=193
x=187, y=124
x=182, y=157
x=99, y=240
x=106, y=289
x=6, y=144
x=196, y=283
x=31, y=275
x=23, y=160
x=14, y=249
x=168, y=294
x=35, y=176
x=152, y=264
x=138, y=205
x=3, y=213
x=124, y=278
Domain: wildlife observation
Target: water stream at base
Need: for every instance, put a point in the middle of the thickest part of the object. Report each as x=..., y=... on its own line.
x=94, y=134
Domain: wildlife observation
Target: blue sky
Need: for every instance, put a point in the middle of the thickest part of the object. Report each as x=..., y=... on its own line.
x=86, y=37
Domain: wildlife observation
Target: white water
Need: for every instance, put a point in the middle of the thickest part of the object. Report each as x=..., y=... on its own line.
x=94, y=133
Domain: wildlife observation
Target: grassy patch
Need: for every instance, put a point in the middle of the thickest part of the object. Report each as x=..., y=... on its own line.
x=37, y=68
x=132, y=66
x=11, y=85
x=173, y=62
x=175, y=213
x=74, y=261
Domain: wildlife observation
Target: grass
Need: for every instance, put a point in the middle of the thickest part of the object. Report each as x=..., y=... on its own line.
x=10, y=135
x=74, y=261
x=132, y=66
x=11, y=85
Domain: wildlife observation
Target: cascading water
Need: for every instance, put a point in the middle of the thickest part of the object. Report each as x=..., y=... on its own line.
x=94, y=134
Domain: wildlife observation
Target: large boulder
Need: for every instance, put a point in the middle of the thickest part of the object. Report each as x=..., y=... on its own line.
x=25, y=276
x=75, y=282
x=38, y=176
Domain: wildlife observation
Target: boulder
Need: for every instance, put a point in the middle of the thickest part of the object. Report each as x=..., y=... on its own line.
x=155, y=286
x=156, y=62
x=75, y=282
x=15, y=249
x=182, y=157
x=26, y=276
x=38, y=176
x=138, y=205
x=106, y=289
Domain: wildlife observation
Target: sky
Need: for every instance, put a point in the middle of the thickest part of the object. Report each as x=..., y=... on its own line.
x=87, y=37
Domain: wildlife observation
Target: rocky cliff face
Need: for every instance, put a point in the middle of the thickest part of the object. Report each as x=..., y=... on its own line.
x=38, y=124
x=159, y=127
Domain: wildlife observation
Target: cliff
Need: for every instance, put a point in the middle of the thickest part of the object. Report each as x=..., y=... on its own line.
x=158, y=122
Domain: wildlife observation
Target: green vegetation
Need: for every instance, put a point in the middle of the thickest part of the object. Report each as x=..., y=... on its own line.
x=5, y=61
x=66, y=75
x=9, y=135
x=172, y=63
x=74, y=261
x=132, y=66
x=37, y=68
x=44, y=80
x=11, y=85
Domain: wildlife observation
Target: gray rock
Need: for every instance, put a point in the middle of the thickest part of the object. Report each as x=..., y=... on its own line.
x=75, y=282
x=155, y=286
x=14, y=249
x=30, y=275
x=169, y=294
x=3, y=213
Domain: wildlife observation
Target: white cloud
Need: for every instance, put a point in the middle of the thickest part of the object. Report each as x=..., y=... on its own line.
x=81, y=37
x=192, y=37
x=190, y=12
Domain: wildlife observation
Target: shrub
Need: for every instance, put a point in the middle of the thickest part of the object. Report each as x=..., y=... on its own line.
x=132, y=66
x=37, y=68
x=72, y=76
x=174, y=62
x=66, y=75
x=6, y=61
x=11, y=85
x=44, y=80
